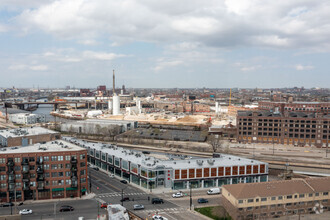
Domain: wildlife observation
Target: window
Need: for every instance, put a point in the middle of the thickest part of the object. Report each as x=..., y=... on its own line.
x=67, y=157
x=46, y=175
x=31, y=159
x=68, y=182
x=82, y=156
x=54, y=158
x=310, y=194
x=46, y=158
x=54, y=166
x=67, y=173
x=82, y=172
x=301, y=195
x=3, y=185
x=280, y=197
x=18, y=176
x=263, y=199
x=54, y=174
x=289, y=197
x=67, y=165
x=2, y=177
x=17, y=160
x=2, y=160
x=60, y=158
x=60, y=166
x=325, y=193
x=82, y=164
x=60, y=174
x=250, y=200
x=317, y=194
x=240, y=201
x=2, y=169
x=273, y=198
x=46, y=166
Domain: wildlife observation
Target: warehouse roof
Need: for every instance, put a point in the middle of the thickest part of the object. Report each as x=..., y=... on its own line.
x=23, y=132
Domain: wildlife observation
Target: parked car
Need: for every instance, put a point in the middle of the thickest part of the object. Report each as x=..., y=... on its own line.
x=177, y=195
x=7, y=204
x=124, y=199
x=96, y=168
x=25, y=211
x=138, y=207
x=158, y=217
x=66, y=208
x=202, y=200
x=157, y=201
x=123, y=181
x=104, y=205
x=111, y=175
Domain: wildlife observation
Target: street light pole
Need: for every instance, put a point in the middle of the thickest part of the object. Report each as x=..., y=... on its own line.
x=190, y=196
x=122, y=197
x=90, y=181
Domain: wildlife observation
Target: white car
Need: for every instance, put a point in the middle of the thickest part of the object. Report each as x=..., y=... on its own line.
x=25, y=211
x=158, y=217
x=177, y=195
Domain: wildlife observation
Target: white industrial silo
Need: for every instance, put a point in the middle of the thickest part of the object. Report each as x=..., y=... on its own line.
x=116, y=105
x=216, y=107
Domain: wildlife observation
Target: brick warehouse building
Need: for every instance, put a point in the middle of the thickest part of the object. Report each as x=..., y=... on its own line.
x=293, y=128
x=27, y=136
x=56, y=169
x=307, y=107
x=277, y=198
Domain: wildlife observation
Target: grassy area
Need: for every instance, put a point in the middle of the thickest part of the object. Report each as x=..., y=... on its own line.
x=215, y=212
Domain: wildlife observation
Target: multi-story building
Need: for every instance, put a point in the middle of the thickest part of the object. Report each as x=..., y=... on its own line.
x=27, y=136
x=27, y=118
x=293, y=128
x=274, y=199
x=56, y=169
x=307, y=107
x=176, y=172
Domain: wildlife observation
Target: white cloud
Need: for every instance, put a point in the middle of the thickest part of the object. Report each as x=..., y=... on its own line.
x=165, y=64
x=300, y=67
x=101, y=55
x=276, y=24
x=22, y=67
x=89, y=42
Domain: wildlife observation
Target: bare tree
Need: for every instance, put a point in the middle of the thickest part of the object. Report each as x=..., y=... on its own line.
x=216, y=142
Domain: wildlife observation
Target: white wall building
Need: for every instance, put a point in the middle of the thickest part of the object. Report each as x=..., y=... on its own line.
x=27, y=118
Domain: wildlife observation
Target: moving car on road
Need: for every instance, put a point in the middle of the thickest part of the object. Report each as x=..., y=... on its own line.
x=66, y=208
x=96, y=168
x=177, y=195
x=123, y=181
x=158, y=217
x=104, y=205
x=157, y=201
x=7, y=204
x=124, y=199
x=202, y=200
x=138, y=207
x=25, y=212
x=213, y=191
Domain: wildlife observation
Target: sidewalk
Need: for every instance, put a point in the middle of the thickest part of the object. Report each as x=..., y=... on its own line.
x=89, y=196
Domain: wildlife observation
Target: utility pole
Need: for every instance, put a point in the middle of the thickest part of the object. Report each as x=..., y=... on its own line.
x=90, y=181
x=122, y=197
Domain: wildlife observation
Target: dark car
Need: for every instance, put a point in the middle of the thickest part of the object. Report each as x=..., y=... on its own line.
x=202, y=200
x=8, y=204
x=123, y=181
x=66, y=208
x=96, y=168
x=124, y=199
x=157, y=201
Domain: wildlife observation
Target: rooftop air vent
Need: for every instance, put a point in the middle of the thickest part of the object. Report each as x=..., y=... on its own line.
x=210, y=161
x=199, y=162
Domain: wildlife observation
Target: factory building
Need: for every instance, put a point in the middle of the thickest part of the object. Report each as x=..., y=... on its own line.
x=53, y=170
x=173, y=172
x=27, y=118
x=292, y=128
x=277, y=198
x=98, y=126
x=27, y=136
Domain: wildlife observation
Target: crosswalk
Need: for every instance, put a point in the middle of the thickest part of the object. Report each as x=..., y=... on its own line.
x=162, y=211
x=119, y=194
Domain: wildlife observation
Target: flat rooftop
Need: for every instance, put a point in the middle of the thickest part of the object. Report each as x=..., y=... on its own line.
x=27, y=131
x=169, y=160
x=51, y=146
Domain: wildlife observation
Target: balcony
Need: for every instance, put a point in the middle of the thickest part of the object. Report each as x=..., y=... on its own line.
x=41, y=185
x=39, y=162
x=74, y=184
x=74, y=169
x=10, y=171
x=10, y=163
x=26, y=188
x=11, y=180
x=25, y=171
x=40, y=178
x=73, y=161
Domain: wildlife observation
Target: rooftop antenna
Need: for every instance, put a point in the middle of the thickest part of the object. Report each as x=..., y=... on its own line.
x=113, y=83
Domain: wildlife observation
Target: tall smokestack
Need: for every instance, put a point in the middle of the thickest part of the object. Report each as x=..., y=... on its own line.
x=113, y=83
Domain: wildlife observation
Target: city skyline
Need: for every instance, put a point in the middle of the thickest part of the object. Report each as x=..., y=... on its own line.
x=190, y=44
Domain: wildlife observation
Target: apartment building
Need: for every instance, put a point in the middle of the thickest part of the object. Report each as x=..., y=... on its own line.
x=278, y=198
x=53, y=170
x=307, y=107
x=292, y=128
x=27, y=136
x=173, y=171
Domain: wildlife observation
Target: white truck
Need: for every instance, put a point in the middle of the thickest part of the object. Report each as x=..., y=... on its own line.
x=213, y=191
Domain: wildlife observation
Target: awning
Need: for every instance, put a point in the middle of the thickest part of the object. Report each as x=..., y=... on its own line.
x=83, y=190
x=71, y=188
x=57, y=189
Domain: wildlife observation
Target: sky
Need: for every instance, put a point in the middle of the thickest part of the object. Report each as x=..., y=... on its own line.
x=165, y=44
